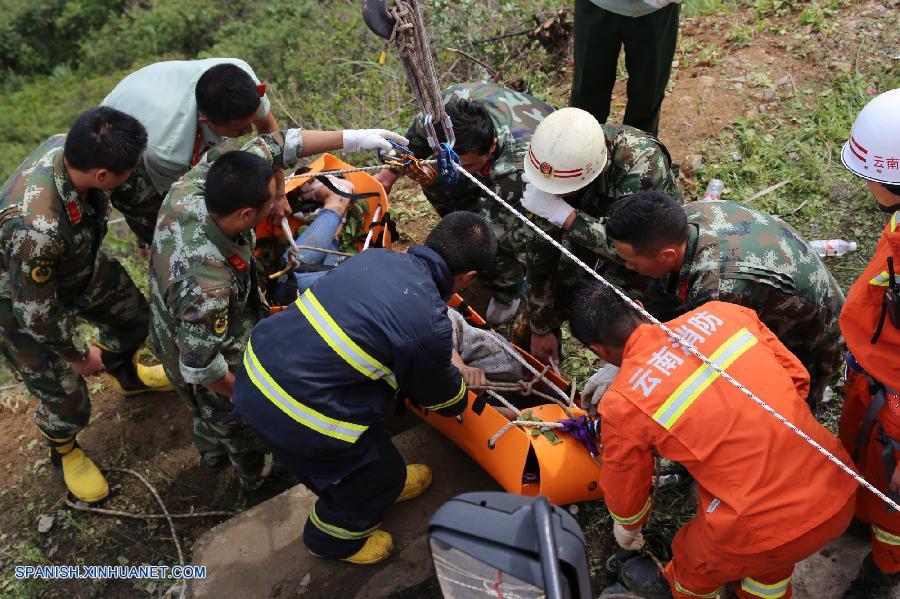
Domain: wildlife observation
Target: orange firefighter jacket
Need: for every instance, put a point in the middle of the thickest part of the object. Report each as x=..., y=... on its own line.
x=862, y=311
x=760, y=485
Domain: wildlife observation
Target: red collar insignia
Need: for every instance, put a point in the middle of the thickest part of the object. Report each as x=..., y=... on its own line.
x=682, y=291
x=74, y=213
x=237, y=263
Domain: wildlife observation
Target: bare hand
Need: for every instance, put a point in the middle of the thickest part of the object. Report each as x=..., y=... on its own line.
x=387, y=179
x=545, y=348
x=474, y=377
x=92, y=364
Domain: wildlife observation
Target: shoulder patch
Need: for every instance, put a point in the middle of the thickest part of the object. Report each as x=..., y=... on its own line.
x=41, y=271
x=220, y=324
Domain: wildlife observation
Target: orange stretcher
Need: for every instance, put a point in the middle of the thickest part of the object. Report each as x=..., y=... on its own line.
x=520, y=461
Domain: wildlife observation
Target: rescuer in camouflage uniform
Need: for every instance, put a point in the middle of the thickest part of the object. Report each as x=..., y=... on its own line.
x=622, y=161
x=493, y=125
x=726, y=251
x=205, y=296
x=53, y=214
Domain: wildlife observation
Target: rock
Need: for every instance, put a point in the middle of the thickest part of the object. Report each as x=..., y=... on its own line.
x=794, y=156
x=45, y=523
x=737, y=156
x=738, y=86
x=692, y=163
x=768, y=94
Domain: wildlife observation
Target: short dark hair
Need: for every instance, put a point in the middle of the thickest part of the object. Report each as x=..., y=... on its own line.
x=472, y=126
x=465, y=241
x=894, y=189
x=237, y=180
x=600, y=316
x=226, y=93
x=103, y=137
x=647, y=221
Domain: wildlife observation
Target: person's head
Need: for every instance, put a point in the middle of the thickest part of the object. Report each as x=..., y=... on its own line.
x=103, y=147
x=240, y=191
x=227, y=99
x=466, y=242
x=602, y=321
x=874, y=145
x=567, y=152
x=476, y=138
x=649, y=230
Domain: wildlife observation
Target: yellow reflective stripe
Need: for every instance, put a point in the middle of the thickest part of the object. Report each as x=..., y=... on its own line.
x=766, y=591
x=884, y=536
x=308, y=417
x=633, y=519
x=881, y=279
x=894, y=222
x=337, y=531
x=459, y=395
x=681, y=589
x=340, y=343
x=688, y=391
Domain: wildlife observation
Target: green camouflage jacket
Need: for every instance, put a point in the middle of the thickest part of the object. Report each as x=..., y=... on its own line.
x=743, y=256
x=637, y=161
x=49, y=241
x=204, y=293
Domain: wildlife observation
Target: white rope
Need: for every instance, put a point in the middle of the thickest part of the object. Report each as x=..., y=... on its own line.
x=532, y=423
x=503, y=400
x=508, y=348
x=677, y=339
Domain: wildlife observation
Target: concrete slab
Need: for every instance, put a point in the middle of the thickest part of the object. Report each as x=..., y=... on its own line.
x=259, y=552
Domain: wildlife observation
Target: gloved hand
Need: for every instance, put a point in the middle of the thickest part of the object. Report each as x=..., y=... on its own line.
x=596, y=386
x=546, y=205
x=308, y=191
x=628, y=539
x=371, y=139
x=661, y=3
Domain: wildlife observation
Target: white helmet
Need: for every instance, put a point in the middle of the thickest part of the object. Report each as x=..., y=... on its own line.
x=873, y=150
x=567, y=151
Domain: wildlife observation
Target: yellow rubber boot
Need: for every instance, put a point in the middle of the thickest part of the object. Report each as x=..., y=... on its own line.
x=81, y=476
x=377, y=548
x=418, y=479
x=130, y=377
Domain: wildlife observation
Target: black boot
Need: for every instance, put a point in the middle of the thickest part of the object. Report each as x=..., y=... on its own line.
x=870, y=581
x=642, y=577
x=128, y=376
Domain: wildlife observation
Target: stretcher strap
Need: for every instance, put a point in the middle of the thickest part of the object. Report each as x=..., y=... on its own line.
x=682, y=342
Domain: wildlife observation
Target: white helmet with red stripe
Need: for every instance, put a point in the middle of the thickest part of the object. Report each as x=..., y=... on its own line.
x=873, y=150
x=567, y=151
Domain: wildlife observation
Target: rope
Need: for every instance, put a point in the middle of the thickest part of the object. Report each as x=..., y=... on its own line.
x=359, y=169
x=687, y=346
x=543, y=425
x=515, y=355
x=503, y=400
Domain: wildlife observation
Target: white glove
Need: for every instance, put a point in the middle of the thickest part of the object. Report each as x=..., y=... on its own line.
x=628, y=539
x=371, y=139
x=596, y=386
x=308, y=190
x=661, y=3
x=546, y=205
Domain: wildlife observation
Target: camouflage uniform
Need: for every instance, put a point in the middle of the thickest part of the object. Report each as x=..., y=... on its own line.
x=515, y=116
x=205, y=300
x=637, y=161
x=739, y=255
x=53, y=274
x=139, y=203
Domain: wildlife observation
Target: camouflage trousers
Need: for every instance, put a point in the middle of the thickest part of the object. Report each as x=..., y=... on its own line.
x=504, y=279
x=219, y=431
x=116, y=307
x=139, y=202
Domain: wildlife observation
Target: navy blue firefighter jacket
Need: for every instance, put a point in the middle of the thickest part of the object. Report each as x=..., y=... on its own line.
x=318, y=377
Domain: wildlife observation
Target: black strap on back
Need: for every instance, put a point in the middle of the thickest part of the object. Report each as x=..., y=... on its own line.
x=890, y=303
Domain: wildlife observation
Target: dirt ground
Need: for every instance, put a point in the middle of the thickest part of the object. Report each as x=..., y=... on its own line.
x=712, y=84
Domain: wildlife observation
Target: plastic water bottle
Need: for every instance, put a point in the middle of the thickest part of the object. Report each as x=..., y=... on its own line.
x=714, y=189
x=832, y=247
